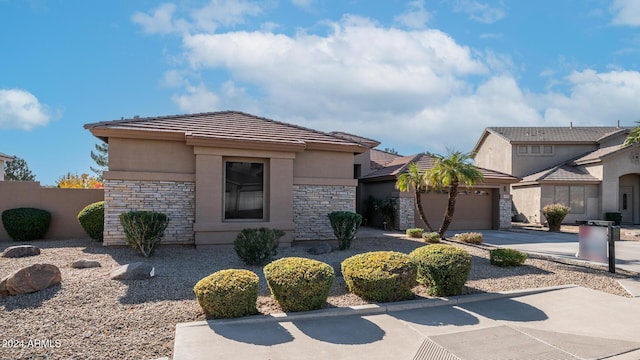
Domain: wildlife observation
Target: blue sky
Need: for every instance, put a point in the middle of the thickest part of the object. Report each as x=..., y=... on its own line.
x=415, y=75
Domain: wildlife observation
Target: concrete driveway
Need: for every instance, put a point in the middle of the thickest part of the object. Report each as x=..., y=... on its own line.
x=562, y=245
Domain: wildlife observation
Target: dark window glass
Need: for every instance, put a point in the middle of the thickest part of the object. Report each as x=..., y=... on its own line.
x=244, y=190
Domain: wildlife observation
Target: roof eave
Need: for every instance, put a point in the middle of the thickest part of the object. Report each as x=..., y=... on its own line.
x=107, y=132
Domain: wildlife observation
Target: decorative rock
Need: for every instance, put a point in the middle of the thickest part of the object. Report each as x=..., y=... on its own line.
x=19, y=251
x=322, y=248
x=30, y=279
x=133, y=271
x=84, y=263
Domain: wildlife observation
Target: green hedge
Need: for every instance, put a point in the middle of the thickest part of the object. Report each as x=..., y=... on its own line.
x=299, y=284
x=507, y=257
x=228, y=293
x=431, y=237
x=381, y=276
x=442, y=269
x=257, y=246
x=91, y=219
x=415, y=233
x=26, y=224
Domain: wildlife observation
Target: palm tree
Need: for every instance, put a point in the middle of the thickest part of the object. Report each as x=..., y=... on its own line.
x=413, y=180
x=634, y=135
x=448, y=173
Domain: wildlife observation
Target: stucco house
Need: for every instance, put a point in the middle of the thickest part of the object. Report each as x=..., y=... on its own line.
x=586, y=168
x=3, y=158
x=484, y=206
x=217, y=173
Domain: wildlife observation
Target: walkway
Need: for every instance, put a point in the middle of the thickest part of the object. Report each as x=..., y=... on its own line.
x=567, y=323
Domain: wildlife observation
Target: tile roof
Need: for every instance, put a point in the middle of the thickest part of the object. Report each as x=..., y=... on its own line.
x=556, y=134
x=4, y=156
x=597, y=155
x=424, y=162
x=563, y=172
x=370, y=143
x=381, y=158
x=227, y=125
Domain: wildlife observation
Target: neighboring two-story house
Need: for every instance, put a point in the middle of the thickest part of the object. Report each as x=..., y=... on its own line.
x=586, y=168
x=3, y=158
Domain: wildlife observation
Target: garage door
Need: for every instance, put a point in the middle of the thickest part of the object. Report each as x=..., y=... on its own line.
x=474, y=209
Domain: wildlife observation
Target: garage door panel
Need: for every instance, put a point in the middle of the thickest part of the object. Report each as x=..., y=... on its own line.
x=474, y=210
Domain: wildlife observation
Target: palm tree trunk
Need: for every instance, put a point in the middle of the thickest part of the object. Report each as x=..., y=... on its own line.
x=451, y=204
x=420, y=209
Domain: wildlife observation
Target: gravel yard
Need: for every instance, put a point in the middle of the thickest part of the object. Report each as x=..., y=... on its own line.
x=91, y=316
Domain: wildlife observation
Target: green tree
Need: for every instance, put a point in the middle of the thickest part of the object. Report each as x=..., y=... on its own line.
x=18, y=170
x=101, y=158
x=412, y=179
x=634, y=135
x=447, y=174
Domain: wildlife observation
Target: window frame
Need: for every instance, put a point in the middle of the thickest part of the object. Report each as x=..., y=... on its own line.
x=265, y=187
x=570, y=199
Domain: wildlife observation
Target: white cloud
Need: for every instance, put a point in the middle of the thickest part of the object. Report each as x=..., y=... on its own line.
x=158, y=21
x=594, y=98
x=19, y=109
x=208, y=18
x=416, y=17
x=626, y=12
x=197, y=99
x=304, y=4
x=480, y=12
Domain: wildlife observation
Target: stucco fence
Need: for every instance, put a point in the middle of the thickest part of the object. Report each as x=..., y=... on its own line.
x=63, y=204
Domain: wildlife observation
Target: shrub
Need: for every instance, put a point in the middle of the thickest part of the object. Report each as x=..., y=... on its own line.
x=507, y=257
x=299, y=284
x=415, y=233
x=555, y=213
x=470, y=238
x=143, y=230
x=345, y=225
x=26, y=224
x=257, y=246
x=91, y=219
x=381, y=276
x=442, y=269
x=432, y=237
x=228, y=293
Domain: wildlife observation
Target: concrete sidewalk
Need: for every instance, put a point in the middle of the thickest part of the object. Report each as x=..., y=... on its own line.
x=561, y=323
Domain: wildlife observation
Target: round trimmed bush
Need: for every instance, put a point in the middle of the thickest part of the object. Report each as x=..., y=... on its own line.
x=415, y=232
x=381, y=276
x=507, y=257
x=431, y=237
x=470, y=238
x=26, y=224
x=442, y=269
x=91, y=219
x=299, y=284
x=228, y=293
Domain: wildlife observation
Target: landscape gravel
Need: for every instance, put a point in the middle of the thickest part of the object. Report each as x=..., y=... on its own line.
x=90, y=316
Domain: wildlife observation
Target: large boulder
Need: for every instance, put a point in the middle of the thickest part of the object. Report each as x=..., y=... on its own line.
x=19, y=251
x=133, y=271
x=84, y=263
x=30, y=279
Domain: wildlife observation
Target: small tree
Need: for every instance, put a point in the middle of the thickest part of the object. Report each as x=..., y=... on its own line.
x=144, y=230
x=18, y=170
x=101, y=157
x=73, y=181
x=345, y=226
x=448, y=173
x=412, y=179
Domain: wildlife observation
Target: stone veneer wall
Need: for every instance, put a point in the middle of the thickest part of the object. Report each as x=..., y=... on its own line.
x=174, y=198
x=405, y=213
x=312, y=203
x=505, y=213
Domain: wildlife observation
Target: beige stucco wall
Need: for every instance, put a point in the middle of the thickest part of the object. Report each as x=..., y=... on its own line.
x=528, y=164
x=323, y=165
x=63, y=204
x=494, y=153
x=150, y=156
x=526, y=200
x=614, y=167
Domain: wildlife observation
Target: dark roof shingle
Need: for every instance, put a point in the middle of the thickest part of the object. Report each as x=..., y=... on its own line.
x=556, y=134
